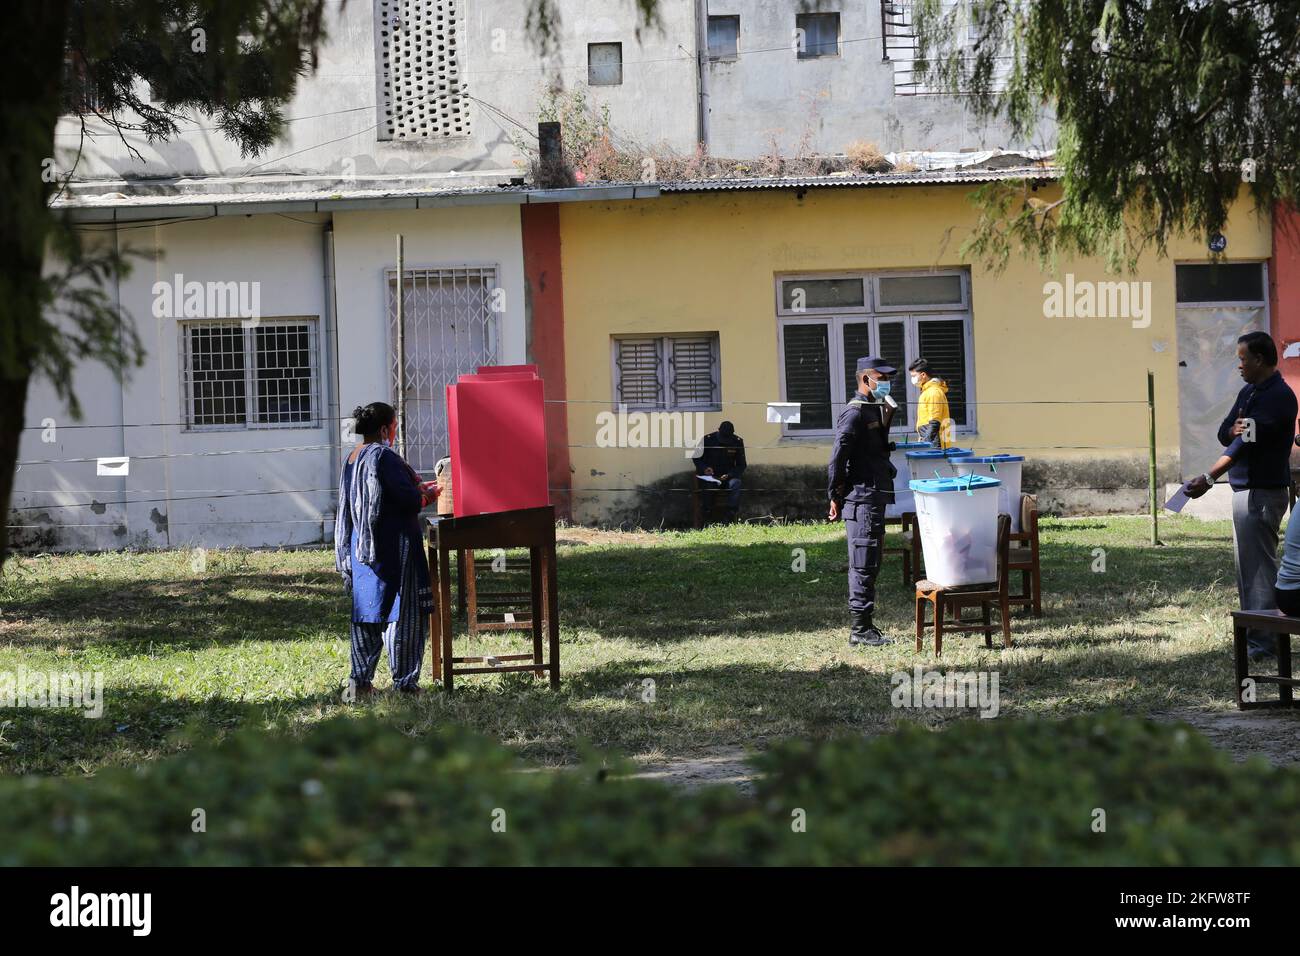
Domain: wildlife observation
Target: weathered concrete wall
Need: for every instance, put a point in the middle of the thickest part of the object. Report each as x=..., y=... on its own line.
x=766, y=94
x=798, y=493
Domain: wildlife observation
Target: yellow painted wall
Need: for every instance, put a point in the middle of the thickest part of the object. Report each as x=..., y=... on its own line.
x=706, y=262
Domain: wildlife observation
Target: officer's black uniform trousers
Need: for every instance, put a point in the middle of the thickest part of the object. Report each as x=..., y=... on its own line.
x=864, y=520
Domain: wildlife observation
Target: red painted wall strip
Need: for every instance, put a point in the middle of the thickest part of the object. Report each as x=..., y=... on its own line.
x=1284, y=287
x=544, y=308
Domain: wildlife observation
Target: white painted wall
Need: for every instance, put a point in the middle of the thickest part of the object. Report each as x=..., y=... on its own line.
x=230, y=503
x=238, y=499
x=365, y=247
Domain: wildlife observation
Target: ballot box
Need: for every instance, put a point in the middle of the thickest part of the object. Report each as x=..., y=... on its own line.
x=497, y=434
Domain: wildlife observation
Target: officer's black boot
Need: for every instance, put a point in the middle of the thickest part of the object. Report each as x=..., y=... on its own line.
x=862, y=633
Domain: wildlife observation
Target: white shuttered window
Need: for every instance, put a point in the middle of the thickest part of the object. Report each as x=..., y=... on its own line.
x=667, y=371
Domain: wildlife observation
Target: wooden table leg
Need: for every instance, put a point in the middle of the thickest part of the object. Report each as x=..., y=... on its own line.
x=538, y=584
x=552, y=611
x=1239, y=664
x=1284, y=669
x=469, y=592
x=460, y=582
x=444, y=611
x=435, y=619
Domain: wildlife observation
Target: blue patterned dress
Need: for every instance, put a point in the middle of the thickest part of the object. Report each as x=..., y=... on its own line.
x=391, y=595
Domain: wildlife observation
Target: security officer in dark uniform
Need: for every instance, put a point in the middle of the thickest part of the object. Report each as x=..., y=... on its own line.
x=860, y=484
x=723, y=458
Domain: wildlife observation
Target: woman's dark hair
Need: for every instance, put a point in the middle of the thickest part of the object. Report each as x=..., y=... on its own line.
x=369, y=419
x=1260, y=344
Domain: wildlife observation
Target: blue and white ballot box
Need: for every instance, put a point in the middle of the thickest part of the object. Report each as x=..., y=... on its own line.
x=902, y=493
x=930, y=462
x=1005, y=468
x=958, y=521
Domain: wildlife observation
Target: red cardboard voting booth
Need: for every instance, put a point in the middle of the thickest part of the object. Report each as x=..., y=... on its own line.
x=496, y=421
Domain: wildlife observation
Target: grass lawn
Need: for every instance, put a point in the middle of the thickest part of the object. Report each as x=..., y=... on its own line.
x=741, y=648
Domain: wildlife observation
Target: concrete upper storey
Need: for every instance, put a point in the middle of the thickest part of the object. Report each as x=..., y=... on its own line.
x=432, y=88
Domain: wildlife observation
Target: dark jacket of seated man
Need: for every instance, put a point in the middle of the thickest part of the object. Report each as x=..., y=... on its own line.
x=724, y=453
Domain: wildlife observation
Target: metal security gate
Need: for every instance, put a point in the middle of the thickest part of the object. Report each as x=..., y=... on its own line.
x=450, y=329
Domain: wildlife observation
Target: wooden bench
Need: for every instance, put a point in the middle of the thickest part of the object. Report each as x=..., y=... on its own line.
x=1283, y=626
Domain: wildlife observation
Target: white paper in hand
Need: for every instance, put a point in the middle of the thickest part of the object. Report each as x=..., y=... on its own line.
x=716, y=481
x=1178, y=501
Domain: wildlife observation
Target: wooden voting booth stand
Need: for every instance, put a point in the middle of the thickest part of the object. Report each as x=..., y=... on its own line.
x=497, y=434
x=531, y=528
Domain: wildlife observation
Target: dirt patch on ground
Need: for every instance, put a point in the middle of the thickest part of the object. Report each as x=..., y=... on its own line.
x=1272, y=734
x=726, y=765
x=578, y=536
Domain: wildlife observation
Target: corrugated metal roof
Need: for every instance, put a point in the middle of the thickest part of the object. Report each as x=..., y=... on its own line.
x=919, y=178
x=193, y=201
x=123, y=207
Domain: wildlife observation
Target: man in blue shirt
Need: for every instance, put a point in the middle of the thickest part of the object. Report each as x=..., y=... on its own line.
x=1257, y=436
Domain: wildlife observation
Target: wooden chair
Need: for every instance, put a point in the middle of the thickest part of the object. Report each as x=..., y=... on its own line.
x=1284, y=627
x=945, y=599
x=910, y=548
x=698, y=491
x=1025, y=558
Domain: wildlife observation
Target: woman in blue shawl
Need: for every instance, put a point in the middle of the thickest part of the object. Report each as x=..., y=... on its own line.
x=377, y=549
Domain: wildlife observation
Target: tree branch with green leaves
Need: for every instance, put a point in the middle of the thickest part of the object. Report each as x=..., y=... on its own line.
x=1166, y=113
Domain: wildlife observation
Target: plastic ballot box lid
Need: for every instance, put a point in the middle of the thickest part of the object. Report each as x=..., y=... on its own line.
x=497, y=431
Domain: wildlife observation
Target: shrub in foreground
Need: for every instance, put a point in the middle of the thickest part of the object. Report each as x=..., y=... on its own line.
x=356, y=791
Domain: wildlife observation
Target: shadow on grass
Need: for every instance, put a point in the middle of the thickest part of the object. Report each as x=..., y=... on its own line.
x=1108, y=640
x=182, y=613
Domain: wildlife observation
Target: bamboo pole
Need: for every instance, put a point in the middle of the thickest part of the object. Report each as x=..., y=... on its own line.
x=1151, y=464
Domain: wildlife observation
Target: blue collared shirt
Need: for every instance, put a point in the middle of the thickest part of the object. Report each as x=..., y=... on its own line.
x=1266, y=461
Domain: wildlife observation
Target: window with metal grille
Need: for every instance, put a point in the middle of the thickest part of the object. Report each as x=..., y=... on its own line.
x=421, y=89
x=450, y=318
x=679, y=371
x=249, y=376
x=819, y=352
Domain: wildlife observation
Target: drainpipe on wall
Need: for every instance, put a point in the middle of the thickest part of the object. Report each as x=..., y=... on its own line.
x=121, y=396
x=702, y=61
x=330, y=339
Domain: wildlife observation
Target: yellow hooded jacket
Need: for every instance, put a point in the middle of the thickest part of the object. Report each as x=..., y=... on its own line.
x=933, y=407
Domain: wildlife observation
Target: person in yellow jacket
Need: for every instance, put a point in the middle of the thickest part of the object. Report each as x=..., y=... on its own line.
x=933, y=421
